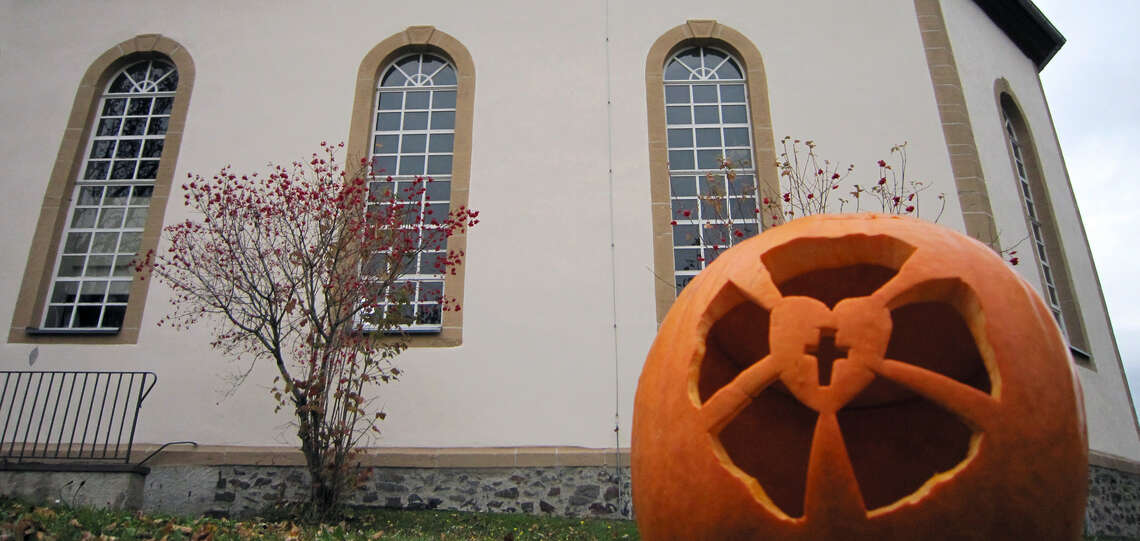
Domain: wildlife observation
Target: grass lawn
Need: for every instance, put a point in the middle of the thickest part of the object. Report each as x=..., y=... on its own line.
x=19, y=521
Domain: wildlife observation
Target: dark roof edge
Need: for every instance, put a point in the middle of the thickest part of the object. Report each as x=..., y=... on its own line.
x=1027, y=27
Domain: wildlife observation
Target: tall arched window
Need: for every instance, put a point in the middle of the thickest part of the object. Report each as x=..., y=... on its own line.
x=707, y=100
x=412, y=116
x=93, y=272
x=1044, y=236
x=413, y=142
x=104, y=201
x=706, y=111
x=1032, y=215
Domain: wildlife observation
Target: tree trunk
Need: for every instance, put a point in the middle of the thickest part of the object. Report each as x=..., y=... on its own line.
x=324, y=486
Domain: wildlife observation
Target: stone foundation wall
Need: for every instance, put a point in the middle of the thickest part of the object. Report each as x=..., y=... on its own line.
x=586, y=491
x=578, y=491
x=1114, y=503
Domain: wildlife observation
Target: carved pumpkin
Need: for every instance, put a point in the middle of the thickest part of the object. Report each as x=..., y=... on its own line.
x=859, y=377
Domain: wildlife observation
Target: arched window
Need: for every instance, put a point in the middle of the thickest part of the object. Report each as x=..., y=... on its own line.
x=93, y=272
x=104, y=201
x=1046, y=248
x=413, y=144
x=412, y=116
x=707, y=100
x=706, y=113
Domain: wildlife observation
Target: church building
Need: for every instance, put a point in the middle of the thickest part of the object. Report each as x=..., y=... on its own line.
x=588, y=135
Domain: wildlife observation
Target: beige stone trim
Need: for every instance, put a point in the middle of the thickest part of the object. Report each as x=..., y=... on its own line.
x=712, y=33
x=977, y=212
x=1113, y=462
x=396, y=457
x=60, y=186
x=424, y=38
x=1054, y=246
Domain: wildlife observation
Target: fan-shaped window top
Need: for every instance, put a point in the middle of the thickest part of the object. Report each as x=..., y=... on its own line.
x=145, y=76
x=421, y=69
x=702, y=64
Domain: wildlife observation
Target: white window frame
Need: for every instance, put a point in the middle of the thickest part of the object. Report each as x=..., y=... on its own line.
x=742, y=206
x=1051, y=295
x=433, y=204
x=91, y=219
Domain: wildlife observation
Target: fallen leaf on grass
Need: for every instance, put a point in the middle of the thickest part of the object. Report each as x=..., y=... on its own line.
x=44, y=512
x=204, y=532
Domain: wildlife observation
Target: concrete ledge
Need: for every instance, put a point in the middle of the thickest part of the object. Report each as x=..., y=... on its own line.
x=445, y=457
x=1114, y=462
x=392, y=457
x=75, y=467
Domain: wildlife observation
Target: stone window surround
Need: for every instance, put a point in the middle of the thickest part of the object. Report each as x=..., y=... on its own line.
x=973, y=196
x=37, y=277
x=1008, y=104
x=970, y=182
x=425, y=39
x=966, y=165
x=693, y=33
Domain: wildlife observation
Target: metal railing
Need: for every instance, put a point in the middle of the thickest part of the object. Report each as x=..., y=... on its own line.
x=71, y=416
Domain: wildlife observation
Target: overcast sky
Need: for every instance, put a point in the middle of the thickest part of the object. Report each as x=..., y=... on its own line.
x=1093, y=88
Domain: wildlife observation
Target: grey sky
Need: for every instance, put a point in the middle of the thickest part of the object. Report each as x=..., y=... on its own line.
x=1093, y=88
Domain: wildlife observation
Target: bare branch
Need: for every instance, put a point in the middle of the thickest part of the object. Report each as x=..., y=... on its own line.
x=276, y=261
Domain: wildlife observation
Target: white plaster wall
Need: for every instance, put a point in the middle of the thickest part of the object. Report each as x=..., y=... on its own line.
x=537, y=365
x=854, y=88
x=984, y=55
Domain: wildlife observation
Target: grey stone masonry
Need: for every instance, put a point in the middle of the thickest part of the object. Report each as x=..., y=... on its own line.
x=579, y=491
x=576, y=491
x=1114, y=503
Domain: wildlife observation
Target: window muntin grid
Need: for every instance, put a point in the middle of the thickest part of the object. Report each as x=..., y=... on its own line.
x=707, y=118
x=93, y=274
x=413, y=136
x=1036, y=233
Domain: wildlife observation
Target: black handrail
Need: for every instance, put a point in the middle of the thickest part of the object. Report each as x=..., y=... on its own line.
x=31, y=399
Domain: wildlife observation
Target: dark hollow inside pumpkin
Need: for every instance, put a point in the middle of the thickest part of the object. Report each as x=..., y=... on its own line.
x=830, y=286
x=771, y=438
x=896, y=440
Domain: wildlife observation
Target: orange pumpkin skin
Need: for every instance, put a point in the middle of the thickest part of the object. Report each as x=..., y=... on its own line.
x=951, y=409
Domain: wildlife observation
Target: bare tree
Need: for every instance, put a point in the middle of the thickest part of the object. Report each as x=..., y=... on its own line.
x=304, y=268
